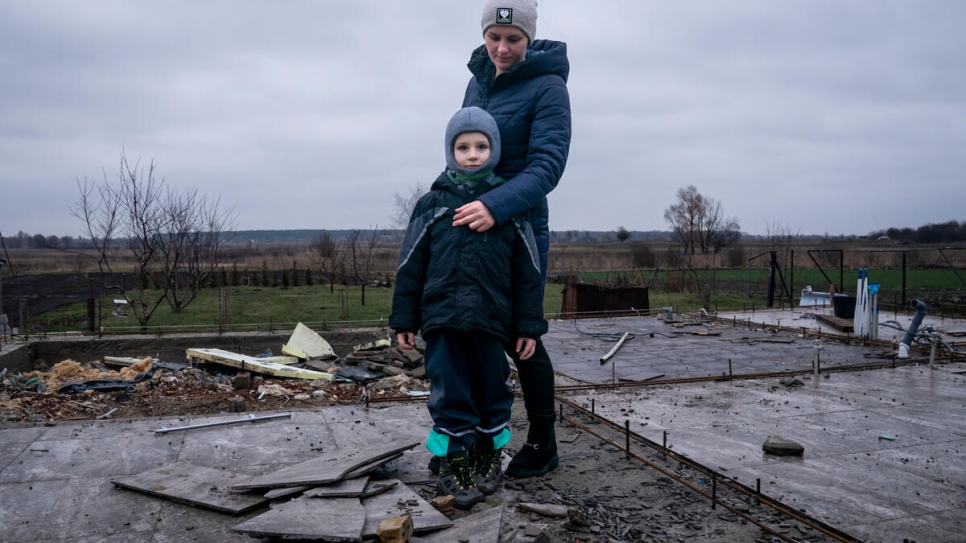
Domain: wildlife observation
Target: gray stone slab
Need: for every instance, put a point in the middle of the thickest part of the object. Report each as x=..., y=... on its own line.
x=177, y=523
x=283, y=442
x=194, y=485
x=398, y=501
x=337, y=519
x=74, y=510
x=350, y=488
x=327, y=467
x=482, y=527
x=64, y=459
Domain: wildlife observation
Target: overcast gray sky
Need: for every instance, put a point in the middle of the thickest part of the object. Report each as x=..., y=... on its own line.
x=821, y=116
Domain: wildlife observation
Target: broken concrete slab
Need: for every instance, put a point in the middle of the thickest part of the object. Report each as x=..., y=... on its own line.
x=256, y=365
x=348, y=488
x=308, y=343
x=399, y=501
x=482, y=527
x=193, y=485
x=303, y=519
x=326, y=468
x=782, y=447
x=545, y=509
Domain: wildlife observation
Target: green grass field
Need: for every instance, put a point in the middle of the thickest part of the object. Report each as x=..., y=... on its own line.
x=265, y=308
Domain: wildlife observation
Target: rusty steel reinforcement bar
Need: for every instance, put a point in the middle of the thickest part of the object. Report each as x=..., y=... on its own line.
x=685, y=380
x=716, y=477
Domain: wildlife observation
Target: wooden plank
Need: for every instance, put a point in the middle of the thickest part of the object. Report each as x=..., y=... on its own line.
x=842, y=325
x=326, y=468
x=194, y=485
x=337, y=519
x=398, y=501
x=257, y=365
x=482, y=527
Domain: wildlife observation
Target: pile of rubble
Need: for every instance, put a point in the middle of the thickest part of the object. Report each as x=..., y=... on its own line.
x=211, y=381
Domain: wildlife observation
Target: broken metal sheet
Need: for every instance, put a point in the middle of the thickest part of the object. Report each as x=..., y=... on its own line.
x=194, y=485
x=348, y=488
x=304, y=339
x=482, y=527
x=256, y=365
x=399, y=501
x=338, y=520
x=327, y=468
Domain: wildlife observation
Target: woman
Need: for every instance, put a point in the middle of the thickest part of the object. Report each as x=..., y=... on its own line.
x=522, y=83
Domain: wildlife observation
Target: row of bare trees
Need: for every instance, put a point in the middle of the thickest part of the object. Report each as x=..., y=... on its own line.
x=352, y=257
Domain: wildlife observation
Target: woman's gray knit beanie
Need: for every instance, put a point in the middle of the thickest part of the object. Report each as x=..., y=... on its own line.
x=519, y=13
x=472, y=119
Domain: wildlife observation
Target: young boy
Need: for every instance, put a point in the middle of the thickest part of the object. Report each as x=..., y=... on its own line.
x=469, y=294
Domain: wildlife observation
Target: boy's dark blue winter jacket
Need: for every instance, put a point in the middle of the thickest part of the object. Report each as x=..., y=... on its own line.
x=459, y=279
x=531, y=106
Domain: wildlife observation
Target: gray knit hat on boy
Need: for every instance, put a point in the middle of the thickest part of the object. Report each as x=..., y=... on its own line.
x=519, y=13
x=472, y=119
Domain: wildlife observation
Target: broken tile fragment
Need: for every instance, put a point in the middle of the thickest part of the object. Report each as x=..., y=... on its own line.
x=782, y=447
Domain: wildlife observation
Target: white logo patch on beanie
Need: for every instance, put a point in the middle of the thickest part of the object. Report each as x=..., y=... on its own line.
x=504, y=16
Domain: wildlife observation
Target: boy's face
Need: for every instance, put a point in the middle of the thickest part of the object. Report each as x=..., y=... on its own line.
x=471, y=149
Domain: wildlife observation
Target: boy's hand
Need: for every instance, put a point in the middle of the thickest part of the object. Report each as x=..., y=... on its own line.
x=475, y=215
x=526, y=347
x=407, y=340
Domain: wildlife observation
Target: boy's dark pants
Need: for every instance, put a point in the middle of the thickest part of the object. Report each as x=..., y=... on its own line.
x=469, y=397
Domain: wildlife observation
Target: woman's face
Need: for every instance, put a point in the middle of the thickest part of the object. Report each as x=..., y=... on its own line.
x=506, y=45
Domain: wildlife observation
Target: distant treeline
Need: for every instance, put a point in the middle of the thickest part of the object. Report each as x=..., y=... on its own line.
x=947, y=232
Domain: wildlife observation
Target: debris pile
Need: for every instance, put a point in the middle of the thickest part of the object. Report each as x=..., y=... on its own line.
x=210, y=381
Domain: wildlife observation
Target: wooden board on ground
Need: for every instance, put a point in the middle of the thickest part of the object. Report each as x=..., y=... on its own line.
x=194, y=485
x=399, y=501
x=326, y=468
x=840, y=324
x=482, y=527
x=337, y=519
x=256, y=365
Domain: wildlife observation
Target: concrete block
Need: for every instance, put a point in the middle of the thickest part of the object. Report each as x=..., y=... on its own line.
x=396, y=529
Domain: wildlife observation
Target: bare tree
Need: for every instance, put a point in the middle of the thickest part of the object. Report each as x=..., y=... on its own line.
x=328, y=256
x=172, y=233
x=362, y=249
x=781, y=238
x=404, y=204
x=699, y=222
x=717, y=231
x=683, y=216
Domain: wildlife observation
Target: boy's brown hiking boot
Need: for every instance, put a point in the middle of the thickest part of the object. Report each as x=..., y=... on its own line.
x=456, y=478
x=488, y=471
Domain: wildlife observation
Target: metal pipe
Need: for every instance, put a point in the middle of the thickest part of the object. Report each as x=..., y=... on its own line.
x=910, y=336
x=251, y=418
